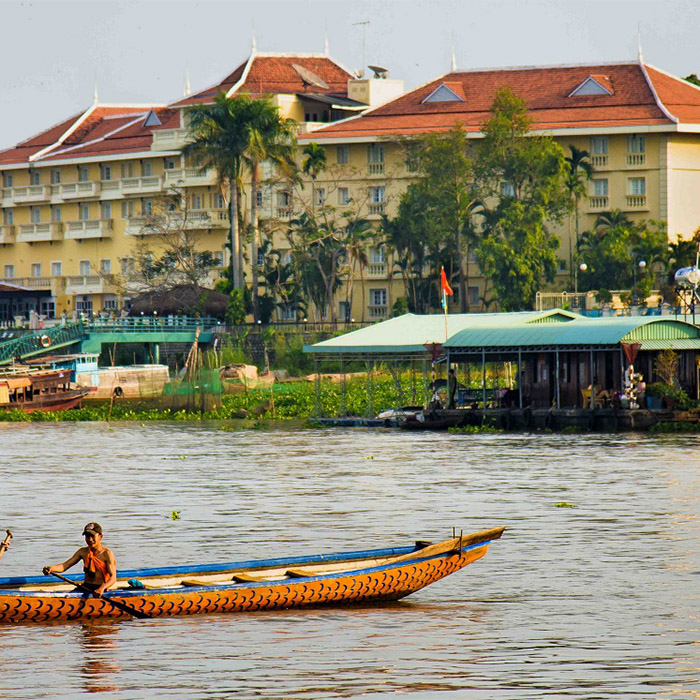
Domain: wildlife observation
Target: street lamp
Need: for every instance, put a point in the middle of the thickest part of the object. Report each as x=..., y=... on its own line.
x=641, y=264
x=583, y=267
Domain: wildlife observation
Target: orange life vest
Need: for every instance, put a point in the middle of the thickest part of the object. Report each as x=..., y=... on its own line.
x=93, y=564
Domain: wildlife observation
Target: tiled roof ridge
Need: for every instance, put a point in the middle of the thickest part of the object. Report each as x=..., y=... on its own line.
x=496, y=69
x=43, y=131
x=682, y=81
x=658, y=101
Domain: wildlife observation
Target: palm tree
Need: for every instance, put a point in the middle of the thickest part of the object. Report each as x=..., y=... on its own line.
x=611, y=219
x=270, y=137
x=314, y=163
x=219, y=140
x=580, y=170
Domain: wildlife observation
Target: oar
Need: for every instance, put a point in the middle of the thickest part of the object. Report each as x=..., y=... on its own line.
x=116, y=603
x=5, y=544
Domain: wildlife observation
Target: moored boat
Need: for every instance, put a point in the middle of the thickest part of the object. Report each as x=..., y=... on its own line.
x=331, y=579
x=32, y=390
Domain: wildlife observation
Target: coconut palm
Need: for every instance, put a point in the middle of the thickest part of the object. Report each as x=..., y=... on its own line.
x=270, y=137
x=579, y=171
x=314, y=163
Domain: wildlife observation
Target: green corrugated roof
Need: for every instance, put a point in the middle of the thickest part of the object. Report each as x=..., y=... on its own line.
x=411, y=332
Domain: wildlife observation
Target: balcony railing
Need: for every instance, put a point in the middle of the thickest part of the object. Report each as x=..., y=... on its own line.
x=636, y=201
x=90, y=284
x=375, y=168
x=376, y=208
x=376, y=270
x=144, y=225
x=635, y=160
x=377, y=311
x=283, y=212
x=89, y=228
x=38, y=233
x=141, y=185
x=7, y=234
x=598, y=203
x=169, y=139
x=35, y=282
x=32, y=193
x=599, y=160
x=76, y=190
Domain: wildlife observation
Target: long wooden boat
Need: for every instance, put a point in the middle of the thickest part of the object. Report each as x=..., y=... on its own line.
x=30, y=390
x=328, y=579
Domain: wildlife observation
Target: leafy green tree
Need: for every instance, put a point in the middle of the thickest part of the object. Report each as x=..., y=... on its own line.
x=524, y=182
x=580, y=170
x=692, y=78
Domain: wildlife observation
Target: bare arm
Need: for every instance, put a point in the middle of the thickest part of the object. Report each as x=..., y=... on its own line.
x=111, y=577
x=60, y=568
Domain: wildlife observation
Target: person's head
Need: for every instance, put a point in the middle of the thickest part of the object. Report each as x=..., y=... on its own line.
x=452, y=373
x=92, y=533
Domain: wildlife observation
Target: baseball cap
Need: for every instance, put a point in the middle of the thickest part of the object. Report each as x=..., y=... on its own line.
x=92, y=529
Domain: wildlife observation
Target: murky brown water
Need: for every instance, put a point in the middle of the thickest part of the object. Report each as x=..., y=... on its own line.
x=598, y=601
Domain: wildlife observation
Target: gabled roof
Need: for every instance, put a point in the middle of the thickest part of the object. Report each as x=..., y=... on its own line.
x=99, y=130
x=267, y=74
x=640, y=95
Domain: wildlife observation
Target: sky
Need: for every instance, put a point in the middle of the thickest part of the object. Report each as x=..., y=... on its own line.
x=138, y=51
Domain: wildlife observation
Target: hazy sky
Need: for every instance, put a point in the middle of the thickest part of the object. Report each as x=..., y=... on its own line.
x=137, y=51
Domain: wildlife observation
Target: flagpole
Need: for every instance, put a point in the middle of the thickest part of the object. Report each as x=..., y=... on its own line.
x=444, y=306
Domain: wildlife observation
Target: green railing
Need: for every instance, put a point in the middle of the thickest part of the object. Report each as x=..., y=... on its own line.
x=41, y=342
x=150, y=324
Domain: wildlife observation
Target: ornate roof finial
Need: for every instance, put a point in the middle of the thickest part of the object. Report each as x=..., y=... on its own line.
x=95, y=97
x=254, y=45
x=453, y=61
x=187, y=90
x=326, y=46
x=640, y=58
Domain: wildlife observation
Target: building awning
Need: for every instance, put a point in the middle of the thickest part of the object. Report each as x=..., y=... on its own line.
x=17, y=382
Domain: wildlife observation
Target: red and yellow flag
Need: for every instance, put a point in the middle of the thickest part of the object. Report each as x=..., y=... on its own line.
x=444, y=284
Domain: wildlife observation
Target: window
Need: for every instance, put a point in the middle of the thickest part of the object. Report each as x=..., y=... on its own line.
x=83, y=211
x=127, y=266
x=106, y=210
x=283, y=199
x=261, y=258
x=7, y=179
x=196, y=201
x=127, y=170
x=84, y=305
x=55, y=213
x=259, y=198
x=35, y=214
x=84, y=267
x=110, y=302
x=320, y=196
x=507, y=189
x=35, y=269
x=376, y=194
x=9, y=271
x=56, y=268
x=342, y=154
x=106, y=266
x=446, y=93
x=635, y=143
x=219, y=258
x=637, y=185
x=375, y=153
x=8, y=217
x=600, y=188
x=35, y=177
x=146, y=169
x=474, y=296
x=343, y=195
x=127, y=209
x=377, y=255
x=48, y=308
x=55, y=176
x=344, y=310
x=377, y=297
x=169, y=164
x=106, y=172
x=83, y=173
x=288, y=313
x=147, y=207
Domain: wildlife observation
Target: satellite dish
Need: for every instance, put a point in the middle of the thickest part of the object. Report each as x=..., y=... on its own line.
x=379, y=72
x=310, y=78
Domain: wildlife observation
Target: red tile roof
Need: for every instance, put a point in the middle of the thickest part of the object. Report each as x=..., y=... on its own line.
x=546, y=93
x=274, y=74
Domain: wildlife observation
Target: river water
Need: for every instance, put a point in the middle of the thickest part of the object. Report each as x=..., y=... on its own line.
x=597, y=601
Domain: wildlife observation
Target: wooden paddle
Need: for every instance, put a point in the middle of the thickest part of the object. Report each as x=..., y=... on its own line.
x=116, y=603
x=5, y=544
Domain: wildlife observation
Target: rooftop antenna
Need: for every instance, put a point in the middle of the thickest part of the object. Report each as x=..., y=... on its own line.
x=309, y=78
x=639, y=45
x=326, y=46
x=187, y=90
x=363, y=24
x=380, y=72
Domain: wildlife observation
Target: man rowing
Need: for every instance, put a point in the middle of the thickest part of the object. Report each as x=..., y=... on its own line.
x=99, y=565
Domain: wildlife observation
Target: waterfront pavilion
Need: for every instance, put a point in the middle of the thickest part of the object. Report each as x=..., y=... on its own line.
x=549, y=358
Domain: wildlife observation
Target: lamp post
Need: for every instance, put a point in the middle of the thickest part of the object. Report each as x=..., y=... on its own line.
x=583, y=267
x=641, y=264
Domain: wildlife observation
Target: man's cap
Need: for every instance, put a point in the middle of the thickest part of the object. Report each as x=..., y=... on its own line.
x=92, y=529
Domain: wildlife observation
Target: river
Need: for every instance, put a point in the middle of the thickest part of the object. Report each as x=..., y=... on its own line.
x=601, y=600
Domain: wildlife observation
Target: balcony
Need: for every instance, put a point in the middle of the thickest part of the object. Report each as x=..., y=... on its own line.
x=55, y=283
x=283, y=212
x=598, y=203
x=169, y=139
x=376, y=312
x=7, y=234
x=77, y=190
x=636, y=160
x=90, y=284
x=33, y=193
x=144, y=225
x=375, y=168
x=376, y=270
x=174, y=221
x=40, y=233
x=141, y=185
x=376, y=208
x=636, y=202
x=89, y=228
x=599, y=160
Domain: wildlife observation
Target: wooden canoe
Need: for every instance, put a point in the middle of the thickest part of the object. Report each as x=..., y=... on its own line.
x=329, y=579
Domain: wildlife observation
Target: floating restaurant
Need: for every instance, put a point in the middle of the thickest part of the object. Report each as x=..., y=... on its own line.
x=553, y=360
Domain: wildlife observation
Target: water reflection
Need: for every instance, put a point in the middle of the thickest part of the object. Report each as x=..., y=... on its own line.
x=98, y=641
